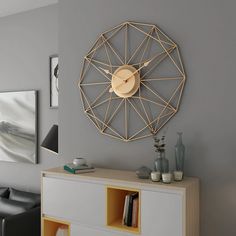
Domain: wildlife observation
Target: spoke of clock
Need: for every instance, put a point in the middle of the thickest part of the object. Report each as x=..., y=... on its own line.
x=84, y=70
x=139, y=46
x=99, y=96
x=95, y=83
x=164, y=35
x=106, y=39
x=180, y=95
x=113, y=114
x=98, y=126
x=151, y=101
x=141, y=130
x=100, y=62
x=108, y=57
x=170, y=56
x=162, y=78
x=82, y=98
x=172, y=97
x=157, y=129
x=116, y=27
x=113, y=136
x=113, y=130
x=160, y=116
x=94, y=46
x=99, y=70
x=145, y=122
x=107, y=109
x=145, y=111
x=159, y=41
x=155, y=93
x=126, y=42
x=140, y=137
x=180, y=61
x=143, y=24
x=114, y=51
x=126, y=120
x=146, y=47
x=164, y=55
x=101, y=103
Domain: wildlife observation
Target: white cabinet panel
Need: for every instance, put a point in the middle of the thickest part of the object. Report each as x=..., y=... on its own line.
x=83, y=202
x=161, y=214
x=83, y=231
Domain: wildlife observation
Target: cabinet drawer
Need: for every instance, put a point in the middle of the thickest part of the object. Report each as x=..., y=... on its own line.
x=161, y=214
x=78, y=201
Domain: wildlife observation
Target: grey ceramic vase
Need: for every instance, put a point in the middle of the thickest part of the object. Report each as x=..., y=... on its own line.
x=179, y=153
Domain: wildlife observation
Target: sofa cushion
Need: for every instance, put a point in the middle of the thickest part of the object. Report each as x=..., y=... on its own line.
x=22, y=196
x=4, y=192
x=11, y=207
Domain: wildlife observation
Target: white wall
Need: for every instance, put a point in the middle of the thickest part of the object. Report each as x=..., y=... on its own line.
x=26, y=42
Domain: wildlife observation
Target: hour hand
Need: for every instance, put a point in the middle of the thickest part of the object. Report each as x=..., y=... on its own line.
x=109, y=73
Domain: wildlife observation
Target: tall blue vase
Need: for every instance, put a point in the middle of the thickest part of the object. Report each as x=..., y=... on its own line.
x=179, y=153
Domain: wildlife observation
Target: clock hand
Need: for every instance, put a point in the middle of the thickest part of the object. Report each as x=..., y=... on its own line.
x=109, y=73
x=145, y=64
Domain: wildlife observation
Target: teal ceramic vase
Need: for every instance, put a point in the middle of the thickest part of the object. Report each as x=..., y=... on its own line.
x=179, y=153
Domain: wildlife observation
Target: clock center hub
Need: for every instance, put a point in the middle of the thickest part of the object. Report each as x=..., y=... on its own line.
x=125, y=81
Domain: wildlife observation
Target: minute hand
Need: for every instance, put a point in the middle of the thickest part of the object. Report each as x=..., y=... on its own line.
x=144, y=65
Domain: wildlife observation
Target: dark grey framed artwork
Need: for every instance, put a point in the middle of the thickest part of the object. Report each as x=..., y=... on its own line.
x=18, y=126
x=54, y=86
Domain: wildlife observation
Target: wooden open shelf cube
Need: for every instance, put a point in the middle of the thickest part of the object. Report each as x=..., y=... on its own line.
x=115, y=207
x=50, y=226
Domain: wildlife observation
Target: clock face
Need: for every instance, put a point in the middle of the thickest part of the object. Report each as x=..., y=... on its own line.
x=132, y=81
x=125, y=81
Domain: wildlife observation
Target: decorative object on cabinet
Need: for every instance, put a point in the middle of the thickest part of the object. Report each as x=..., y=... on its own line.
x=161, y=163
x=171, y=209
x=179, y=153
x=133, y=72
x=79, y=161
x=178, y=175
x=54, y=85
x=78, y=169
x=143, y=172
x=155, y=176
x=166, y=178
x=51, y=140
x=18, y=126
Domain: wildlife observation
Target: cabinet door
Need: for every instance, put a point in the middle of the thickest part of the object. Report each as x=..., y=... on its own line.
x=73, y=200
x=161, y=214
x=84, y=231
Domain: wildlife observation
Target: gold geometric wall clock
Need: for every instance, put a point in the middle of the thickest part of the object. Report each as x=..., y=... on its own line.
x=132, y=81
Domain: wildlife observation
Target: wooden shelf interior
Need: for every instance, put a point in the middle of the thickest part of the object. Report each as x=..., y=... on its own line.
x=50, y=226
x=115, y=208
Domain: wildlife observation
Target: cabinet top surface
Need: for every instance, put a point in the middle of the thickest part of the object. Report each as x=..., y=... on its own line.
x=117, y=176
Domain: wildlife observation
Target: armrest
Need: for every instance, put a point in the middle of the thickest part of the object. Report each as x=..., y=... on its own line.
x=27, y=224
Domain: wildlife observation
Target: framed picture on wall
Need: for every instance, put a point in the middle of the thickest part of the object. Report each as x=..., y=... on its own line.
x=54, y=86
x=18, y=126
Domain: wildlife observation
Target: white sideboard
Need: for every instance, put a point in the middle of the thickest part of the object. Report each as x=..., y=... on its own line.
x=91, y=204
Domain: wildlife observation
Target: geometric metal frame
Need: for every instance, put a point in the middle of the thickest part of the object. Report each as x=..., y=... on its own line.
x=112, y=58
